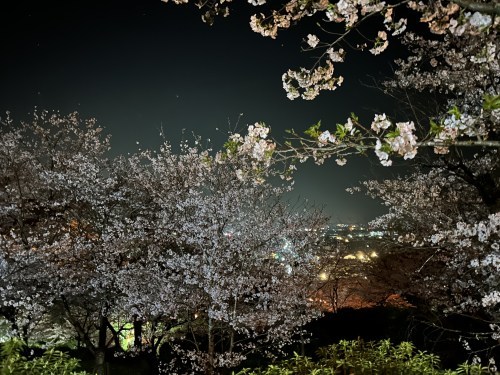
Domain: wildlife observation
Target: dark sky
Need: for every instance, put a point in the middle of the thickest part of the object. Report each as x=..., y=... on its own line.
x=140, y=65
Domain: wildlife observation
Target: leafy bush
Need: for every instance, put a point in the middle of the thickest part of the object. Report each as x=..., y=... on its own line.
x=52, y=362
x=358, y=357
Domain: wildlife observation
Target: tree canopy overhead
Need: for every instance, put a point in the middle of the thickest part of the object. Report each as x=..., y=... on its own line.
x=456, y=55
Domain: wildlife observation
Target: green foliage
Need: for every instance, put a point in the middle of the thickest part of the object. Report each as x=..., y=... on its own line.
x=231, y=146
x=314, y=131
x=268, y=154
x=124, y=334
x=386, y=148
x=341, y=132
x=52, y=362
x=358, y=357
x=391, y=135
x=435, y=128
x=491, y=102
x=470, y=369
x=455, y=111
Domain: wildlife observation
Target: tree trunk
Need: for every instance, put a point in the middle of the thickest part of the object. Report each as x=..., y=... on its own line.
x=211, y=348
x=231, y=342
x=100, y=353
x=137, y=333
x=100, y=362
x=115, y=336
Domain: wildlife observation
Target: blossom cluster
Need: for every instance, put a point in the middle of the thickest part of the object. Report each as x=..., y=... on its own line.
x=307, y=84
x=380, y=122
x=401, y=141
x=381, y=43
x=255, y=146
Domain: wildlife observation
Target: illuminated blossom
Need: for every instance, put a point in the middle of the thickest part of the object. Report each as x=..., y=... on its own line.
x=380, y=44
x=349, y=126
x=382, y=155
x=257, y=2
x=312, y=40
x=336, y=56
x=405, y=144
x=479, y=20
x=380, y=122
x=326, y=137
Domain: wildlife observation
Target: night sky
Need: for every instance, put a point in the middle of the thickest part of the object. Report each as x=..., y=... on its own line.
x=141, y=65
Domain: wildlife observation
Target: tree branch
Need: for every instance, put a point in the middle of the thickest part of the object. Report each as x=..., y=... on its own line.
x=492, y=7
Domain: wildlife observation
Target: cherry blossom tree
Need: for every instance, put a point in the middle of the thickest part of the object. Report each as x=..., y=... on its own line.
x=450, y=214
x=62, y=233
x=226, y=261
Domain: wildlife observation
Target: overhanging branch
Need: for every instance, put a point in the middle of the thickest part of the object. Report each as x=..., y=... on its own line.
x=471, y=143
x=492, y=7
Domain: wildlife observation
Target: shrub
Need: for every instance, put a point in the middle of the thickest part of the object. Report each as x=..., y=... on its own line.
x=358, y=357
x=51, y=362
